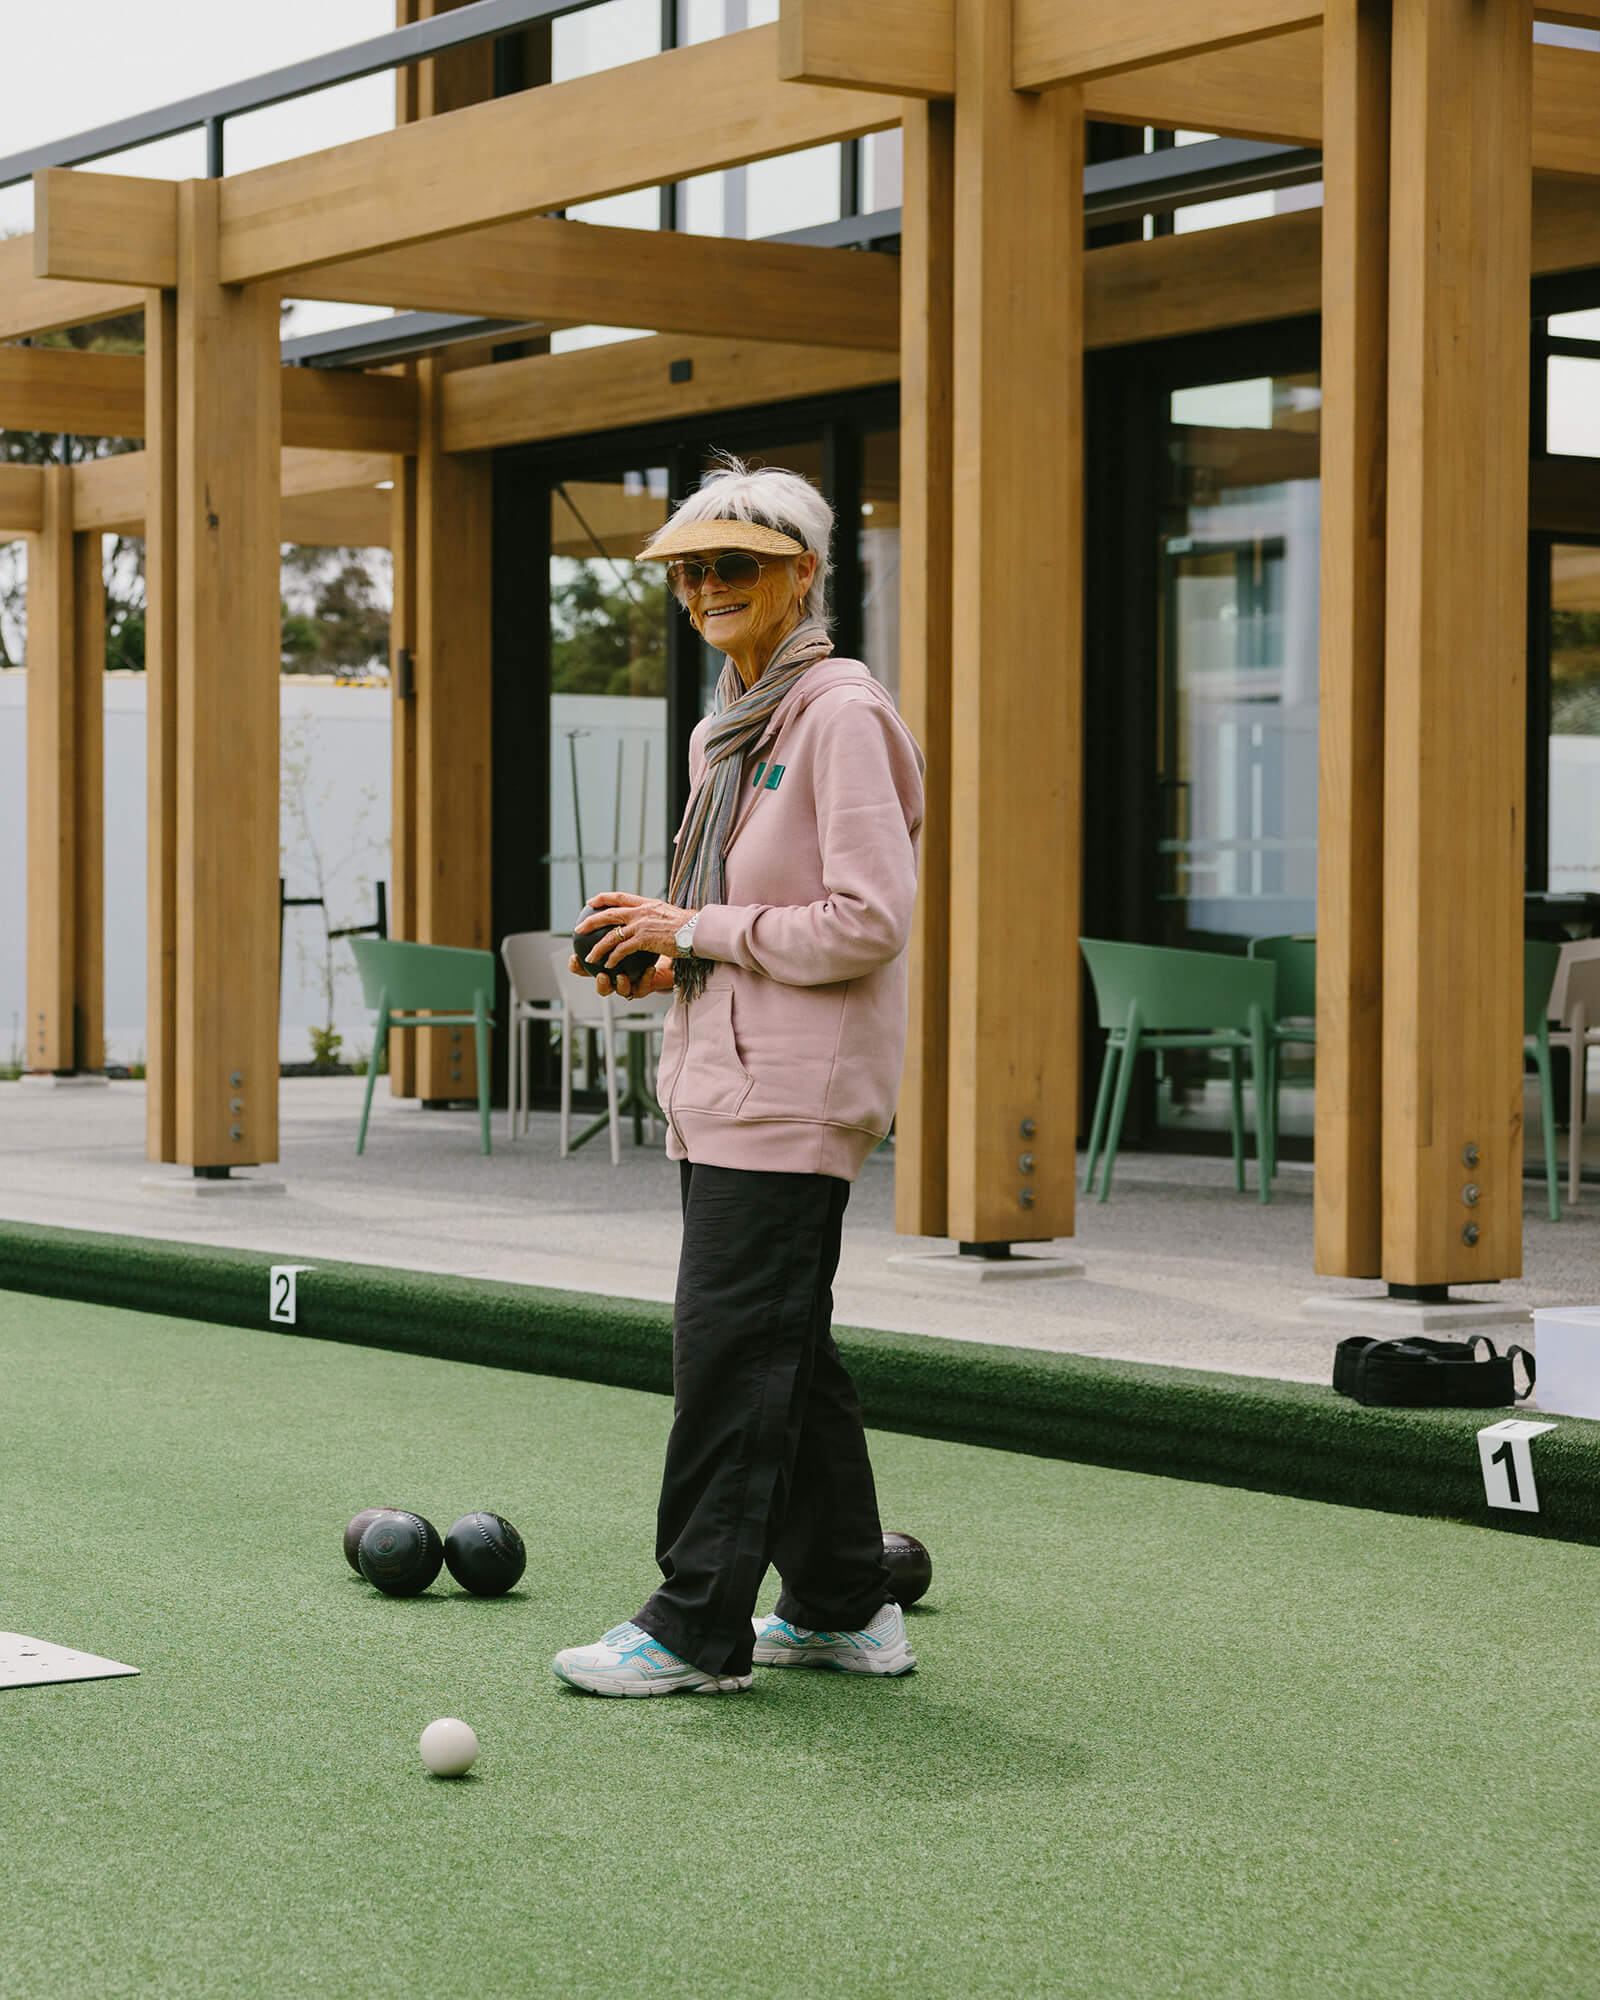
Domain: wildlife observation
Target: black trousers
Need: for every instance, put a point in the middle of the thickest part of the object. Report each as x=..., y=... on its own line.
x=767, y=1461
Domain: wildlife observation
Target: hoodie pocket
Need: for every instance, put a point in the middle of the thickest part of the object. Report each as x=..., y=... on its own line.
x=711, y=1076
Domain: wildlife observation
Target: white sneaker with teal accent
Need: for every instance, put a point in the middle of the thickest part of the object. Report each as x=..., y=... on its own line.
x=628, y=1660
x=881, y=1649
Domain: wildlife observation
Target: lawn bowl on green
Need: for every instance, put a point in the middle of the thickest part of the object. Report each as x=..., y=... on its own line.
x=357, y=1527
x=485, y=1554
x=910, y=1567
x=400, y=1554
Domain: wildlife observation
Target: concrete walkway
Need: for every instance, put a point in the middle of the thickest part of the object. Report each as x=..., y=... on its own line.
x=1180, y=1269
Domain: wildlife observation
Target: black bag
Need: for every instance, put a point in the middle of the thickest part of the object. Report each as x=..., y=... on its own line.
x=1421, y=1374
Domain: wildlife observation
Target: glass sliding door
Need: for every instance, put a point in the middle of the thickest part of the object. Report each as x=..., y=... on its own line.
x=1574, y=770
x=1238, y=569
x=608, y=773
x=1237, y=752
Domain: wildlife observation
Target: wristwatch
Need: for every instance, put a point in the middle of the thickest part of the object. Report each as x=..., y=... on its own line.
x=684, y=939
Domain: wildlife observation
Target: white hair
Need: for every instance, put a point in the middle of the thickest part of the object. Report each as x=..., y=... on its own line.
x=770, y=497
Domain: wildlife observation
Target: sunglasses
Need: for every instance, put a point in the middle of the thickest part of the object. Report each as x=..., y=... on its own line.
x=736, y=567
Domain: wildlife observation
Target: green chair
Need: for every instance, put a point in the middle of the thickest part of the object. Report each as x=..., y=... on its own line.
x=1150, y=997
x=1296, y=960
x=1539, y=963
x=425, y=986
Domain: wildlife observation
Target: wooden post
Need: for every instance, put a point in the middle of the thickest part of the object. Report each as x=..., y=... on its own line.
x=229, y=435
x=161, y=724
x=1460, y=224
x=403, y=741
x=52, y=733
x=66, y=790
x=926, y=308
x=1017, y=647
x=453, y=718
x=1355, y=337
x=89, y=874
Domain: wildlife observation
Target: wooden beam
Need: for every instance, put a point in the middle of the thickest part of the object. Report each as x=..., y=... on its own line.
x=227, y=721
x=108, y=494
x=1016, y=654
x=1355, y=298
x=662, y=280
x=535, y=152
x=1566, y=226
x=102, y=395
x=61, y=389
x=1266, y=269
x=117, y=229
x=161, y=725
x=454, y=715
x=1253, y=90
x=30, y=305
x=921, y=1155
x=306, y=471
x=630, y=382
x=1262, y=89
x=1456, y=641
x=357, y=518
x=906, y=48
x=1075, y=41
x=344, y=409
x=1566, y=133
x=21, y=499
x=53, y=723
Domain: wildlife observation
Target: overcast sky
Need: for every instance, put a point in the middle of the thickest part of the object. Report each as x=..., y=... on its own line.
x=82, y=63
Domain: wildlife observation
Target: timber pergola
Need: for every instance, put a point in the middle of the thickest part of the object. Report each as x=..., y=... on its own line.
x=1434, y=118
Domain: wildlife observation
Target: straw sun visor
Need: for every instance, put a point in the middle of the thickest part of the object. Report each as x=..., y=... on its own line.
x=695, y=538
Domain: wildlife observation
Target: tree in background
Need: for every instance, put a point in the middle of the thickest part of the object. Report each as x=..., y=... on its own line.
x=336, y=605
x=335, y=601
x=125, y=564
x=608, y=627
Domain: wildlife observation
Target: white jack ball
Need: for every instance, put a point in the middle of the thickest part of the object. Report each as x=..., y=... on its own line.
x=449, y=1748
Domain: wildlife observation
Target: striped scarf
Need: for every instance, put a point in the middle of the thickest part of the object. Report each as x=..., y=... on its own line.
x=739, y=721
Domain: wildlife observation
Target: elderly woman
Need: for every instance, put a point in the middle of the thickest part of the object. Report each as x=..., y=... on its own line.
x=784, y=934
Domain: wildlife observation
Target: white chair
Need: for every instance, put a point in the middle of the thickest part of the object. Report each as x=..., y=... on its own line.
x=535, y=996
x=583, y=1007
x=1575, y=1003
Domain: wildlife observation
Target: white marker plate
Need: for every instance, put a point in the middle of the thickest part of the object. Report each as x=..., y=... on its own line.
x=1506, y=1454
x=26, y=1662
x=282, y=1288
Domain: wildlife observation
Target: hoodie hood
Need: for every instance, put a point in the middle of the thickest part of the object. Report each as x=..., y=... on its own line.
x=829, y=673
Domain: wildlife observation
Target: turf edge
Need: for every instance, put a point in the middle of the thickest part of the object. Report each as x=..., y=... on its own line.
x=1293, y=1438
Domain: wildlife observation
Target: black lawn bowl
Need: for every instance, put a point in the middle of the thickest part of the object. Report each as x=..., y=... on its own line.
x=910, y=1567
x=585, y=943
x=400, y=1554
x=485, y=1554
x=357, y=1528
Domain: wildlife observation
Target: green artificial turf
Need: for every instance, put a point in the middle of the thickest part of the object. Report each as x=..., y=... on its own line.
x=1277, y=1437
x=1167, y=1738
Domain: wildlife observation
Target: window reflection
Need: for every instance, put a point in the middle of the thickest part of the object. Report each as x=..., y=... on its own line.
x=1574, y=717
x=608, y=690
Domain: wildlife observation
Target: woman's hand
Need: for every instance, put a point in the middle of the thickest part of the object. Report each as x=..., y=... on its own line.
x=645, y=924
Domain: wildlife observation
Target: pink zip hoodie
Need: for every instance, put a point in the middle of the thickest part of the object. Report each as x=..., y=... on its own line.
x=790, y=1060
